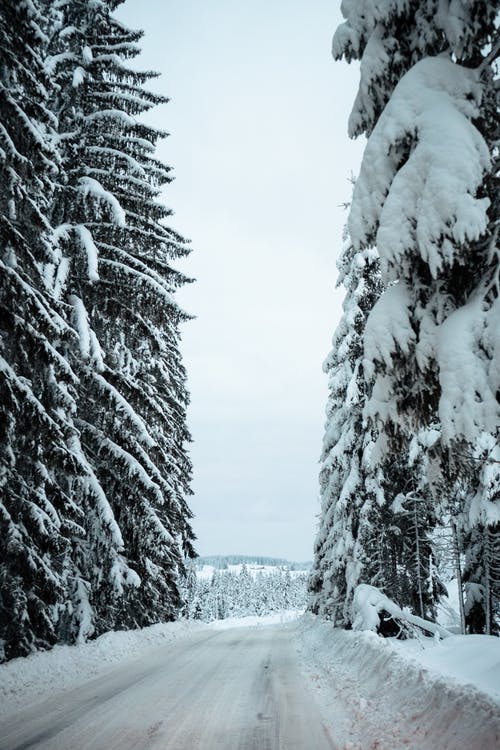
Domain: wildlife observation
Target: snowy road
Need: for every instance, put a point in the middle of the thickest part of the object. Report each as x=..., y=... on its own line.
x=238, y=689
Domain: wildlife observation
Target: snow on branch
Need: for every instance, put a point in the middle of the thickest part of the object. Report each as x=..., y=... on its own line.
x=92, y=187
x=121, y=574
x=88, y=341
x=485, y=508
x=388, y=327
x=117, y=154
x=53, y=320
x=93, y=487
x=421, y=170
x=144, y=468
x=54, y=61
x=144, y=279
x=111, y=114
x=126, y=409
x=87, y=243
x=63, y=231
x=8, y=144
x=82, y=324
x=467, y=411
x=78, y=77
x=369, y=603
x=23, y=388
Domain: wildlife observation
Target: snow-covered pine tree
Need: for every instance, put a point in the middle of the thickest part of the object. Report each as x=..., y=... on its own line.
x=37, y=386
x=402, y=547
x=119, y=286
x=426, y=197
x=351, y=493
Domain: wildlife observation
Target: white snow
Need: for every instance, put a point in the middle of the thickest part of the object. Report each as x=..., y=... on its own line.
x=100, y=503
x=468, y=659
x=285, y=615
x=125, y=407
x=87, y=242
x=381, y=693
x=134, y=165
x=485, y=508
x=87, y=54
x=60, y=277
x=254, y=569
x=31, y=679
x=113, y=114
x=78, y=77
x=367, y=36
x=388, y=327
x=52, y=62
x=373, y=692
x=431, y=107
x=473, y=409
x=93, y=187
x=368, y=602
x=143, y=279
x=82, y=324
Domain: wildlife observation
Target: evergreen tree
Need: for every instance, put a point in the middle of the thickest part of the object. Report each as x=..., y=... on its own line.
x=120, y=285
x=403, y=544
x=426, y=198
x=94, y=472
x=361, y=539
x=351, y=493
x=241, y=594
x=37, y=386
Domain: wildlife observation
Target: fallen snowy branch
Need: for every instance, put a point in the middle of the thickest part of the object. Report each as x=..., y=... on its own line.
x=368, y=607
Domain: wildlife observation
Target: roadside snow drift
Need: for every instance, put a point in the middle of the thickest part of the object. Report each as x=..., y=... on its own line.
x=378, y=693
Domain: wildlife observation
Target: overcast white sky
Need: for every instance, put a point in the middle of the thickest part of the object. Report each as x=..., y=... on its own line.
x=258, y=123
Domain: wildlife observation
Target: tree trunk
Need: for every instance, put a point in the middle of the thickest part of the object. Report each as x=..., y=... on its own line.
x=458, y=572
x=417, y=552
x=487, y=581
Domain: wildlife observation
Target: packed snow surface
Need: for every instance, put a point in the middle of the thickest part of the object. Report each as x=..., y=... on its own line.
x=28, y=679
x=368, y=692
x=237, y=688
x=276, y=618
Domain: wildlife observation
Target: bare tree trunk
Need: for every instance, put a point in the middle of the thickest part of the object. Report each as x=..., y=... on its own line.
x=417, y=550
x=487, y=580
x=458, y=572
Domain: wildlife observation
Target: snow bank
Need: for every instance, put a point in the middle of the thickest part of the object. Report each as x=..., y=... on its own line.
x=377, y=693
x=468, y=659
x=27, y=680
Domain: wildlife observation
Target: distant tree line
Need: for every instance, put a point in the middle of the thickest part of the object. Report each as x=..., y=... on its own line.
x=411, y=445
x=243, y=593
x=94, y=473
x=222, y=562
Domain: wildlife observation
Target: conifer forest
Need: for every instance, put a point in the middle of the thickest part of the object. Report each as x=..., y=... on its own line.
x=96, y=528
x=95, y=474
x=411, y=447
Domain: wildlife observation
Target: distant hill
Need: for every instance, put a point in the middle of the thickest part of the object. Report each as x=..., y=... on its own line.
x=222, y=562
